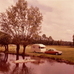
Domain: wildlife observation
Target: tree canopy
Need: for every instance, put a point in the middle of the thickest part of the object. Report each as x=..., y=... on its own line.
x=5, y=39
x=22, y=23
x=21, y=20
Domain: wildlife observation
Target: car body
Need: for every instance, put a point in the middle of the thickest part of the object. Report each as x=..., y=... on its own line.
x=53, y=51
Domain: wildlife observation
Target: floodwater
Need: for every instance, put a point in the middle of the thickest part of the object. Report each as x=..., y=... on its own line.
x=40, y=66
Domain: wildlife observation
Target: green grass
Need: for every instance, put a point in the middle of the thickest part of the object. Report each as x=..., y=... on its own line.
x=67, y=52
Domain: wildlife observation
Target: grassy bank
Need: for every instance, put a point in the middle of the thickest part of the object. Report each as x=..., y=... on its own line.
x=67, y=55
x=68, y=52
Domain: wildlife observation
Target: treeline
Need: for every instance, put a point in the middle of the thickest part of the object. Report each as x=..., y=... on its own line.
x=53, y=42
x=6, y=39
x=50, y=41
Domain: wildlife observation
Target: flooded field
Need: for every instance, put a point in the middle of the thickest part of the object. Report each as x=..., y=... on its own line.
x=40, y=66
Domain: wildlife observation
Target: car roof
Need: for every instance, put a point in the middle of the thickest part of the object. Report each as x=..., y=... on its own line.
x=51, y=49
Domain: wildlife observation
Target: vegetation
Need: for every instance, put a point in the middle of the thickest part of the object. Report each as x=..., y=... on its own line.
x=67, y=56
x=73, y=40
x=21, y=22
x=67, y=53
x=5, y=39
x=21, y=25
x=50, y=41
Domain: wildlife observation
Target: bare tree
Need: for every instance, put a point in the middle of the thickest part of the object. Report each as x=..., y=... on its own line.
x=21, y=22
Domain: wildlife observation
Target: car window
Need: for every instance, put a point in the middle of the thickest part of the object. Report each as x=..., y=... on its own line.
x=50, y=50
x=41, y=47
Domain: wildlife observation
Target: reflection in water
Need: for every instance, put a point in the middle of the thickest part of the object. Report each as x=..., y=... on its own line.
x=50, y=61
x=17, y=56
x=22, y=70
x=4, y=65
x=3, y=57
x=40, y=66
x=38, y=60
x=6, y=57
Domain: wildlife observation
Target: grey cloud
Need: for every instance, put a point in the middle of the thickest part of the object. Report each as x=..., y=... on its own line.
x=41, y=7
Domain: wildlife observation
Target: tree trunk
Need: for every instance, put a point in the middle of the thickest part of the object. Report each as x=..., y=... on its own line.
x=6, y=48
x=17, y=49
x=24, y=47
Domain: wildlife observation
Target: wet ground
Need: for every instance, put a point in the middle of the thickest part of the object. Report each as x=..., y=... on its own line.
x=40, y=66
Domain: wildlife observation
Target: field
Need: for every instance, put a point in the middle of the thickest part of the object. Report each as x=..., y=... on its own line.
x=68, y=52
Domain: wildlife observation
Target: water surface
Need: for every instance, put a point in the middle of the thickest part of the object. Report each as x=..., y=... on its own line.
x=40, y=66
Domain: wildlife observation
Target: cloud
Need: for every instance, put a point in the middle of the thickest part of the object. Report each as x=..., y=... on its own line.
x=60, y=21
x=43, y=8
x=58, y=16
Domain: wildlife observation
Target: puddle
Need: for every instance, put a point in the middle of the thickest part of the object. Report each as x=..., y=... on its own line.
x=40, y=66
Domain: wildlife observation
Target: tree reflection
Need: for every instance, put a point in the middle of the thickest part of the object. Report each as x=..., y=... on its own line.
x=38, y=60
x=26, y=70
x=51, y=61
x=4, y=65
x=17, y=56
x=6, y=57
x=22, y=70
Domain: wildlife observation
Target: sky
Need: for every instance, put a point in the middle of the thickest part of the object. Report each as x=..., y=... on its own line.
x=58, y=16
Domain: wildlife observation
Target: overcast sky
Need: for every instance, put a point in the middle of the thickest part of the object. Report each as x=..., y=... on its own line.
x=58, y=16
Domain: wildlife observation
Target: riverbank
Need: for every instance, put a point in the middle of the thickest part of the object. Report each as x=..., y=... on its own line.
x=67, y=53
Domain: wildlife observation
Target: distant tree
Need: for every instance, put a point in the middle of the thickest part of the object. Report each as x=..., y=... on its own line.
x=21, y=22
x=50, y=40
x=73, y=40
x=36, y=39
x=44, y=37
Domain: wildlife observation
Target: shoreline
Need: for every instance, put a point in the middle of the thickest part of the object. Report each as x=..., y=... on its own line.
x=42, y=56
